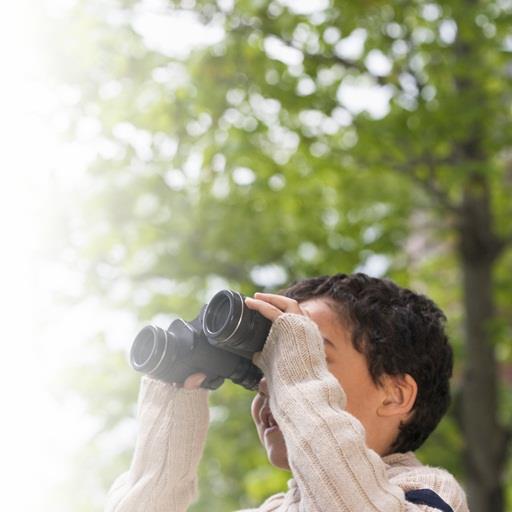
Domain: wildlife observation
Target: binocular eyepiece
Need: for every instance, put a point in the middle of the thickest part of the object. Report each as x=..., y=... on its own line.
x=219, y=342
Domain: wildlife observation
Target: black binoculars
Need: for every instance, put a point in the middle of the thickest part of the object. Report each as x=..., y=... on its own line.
x=219, y=342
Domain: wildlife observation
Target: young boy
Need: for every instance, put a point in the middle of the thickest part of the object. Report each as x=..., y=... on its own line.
x=356, y=378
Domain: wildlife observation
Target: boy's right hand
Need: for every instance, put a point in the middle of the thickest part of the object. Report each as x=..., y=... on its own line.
x=194, y=381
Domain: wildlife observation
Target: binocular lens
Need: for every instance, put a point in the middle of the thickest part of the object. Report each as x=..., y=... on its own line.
x=230, y=324
x=143, y=347
x=223, y=315
x=219, y=314
x=149, y=350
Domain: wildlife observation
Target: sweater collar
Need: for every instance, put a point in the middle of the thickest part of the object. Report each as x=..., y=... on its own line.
x=402, y=459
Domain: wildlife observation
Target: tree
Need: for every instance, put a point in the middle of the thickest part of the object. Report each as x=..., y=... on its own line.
x=263, y=157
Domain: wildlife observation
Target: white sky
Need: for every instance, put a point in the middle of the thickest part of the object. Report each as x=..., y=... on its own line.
x=37, y=435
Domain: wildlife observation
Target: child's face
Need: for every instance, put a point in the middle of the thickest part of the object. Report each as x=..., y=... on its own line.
x=345, y=363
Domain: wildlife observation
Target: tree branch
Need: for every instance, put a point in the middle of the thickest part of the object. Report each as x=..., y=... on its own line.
x=503, y=243
x=429, y=182
x=332, y=58
x=349, y=64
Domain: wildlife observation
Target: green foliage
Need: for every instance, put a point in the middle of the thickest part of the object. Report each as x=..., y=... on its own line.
x=249, y=164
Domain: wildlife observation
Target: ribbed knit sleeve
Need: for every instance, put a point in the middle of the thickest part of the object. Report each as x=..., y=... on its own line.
x=173, y=424
x=331, y=464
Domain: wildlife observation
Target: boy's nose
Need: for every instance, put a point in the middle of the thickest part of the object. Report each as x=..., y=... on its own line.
x=262, y=386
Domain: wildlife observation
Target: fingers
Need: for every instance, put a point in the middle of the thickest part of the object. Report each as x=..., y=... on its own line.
x=285, y=304
x=264, y=308
x=194, y=381
x=272, y=306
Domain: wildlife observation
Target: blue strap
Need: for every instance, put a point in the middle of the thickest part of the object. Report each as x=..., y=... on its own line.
x=427, y=497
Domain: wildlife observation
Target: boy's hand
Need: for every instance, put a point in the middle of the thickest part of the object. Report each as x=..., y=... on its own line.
x=194, y=381
x=272, y=306
x=272, y=358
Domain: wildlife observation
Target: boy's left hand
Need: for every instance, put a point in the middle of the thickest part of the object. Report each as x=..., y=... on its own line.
x=272, y=306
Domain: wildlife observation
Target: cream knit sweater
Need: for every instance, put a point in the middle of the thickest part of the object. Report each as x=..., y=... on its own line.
x=333, y=470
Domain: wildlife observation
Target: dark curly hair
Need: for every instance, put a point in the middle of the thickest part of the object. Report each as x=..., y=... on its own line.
x=399, y=332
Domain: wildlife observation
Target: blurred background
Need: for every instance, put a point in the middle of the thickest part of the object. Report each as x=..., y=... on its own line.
x=154, y=152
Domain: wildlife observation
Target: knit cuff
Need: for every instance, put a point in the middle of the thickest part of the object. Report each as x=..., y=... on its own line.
x=293, y=350
x=173, y=424
x=158, y=395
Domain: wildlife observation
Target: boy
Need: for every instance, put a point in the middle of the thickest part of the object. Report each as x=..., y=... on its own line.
x=356, y=378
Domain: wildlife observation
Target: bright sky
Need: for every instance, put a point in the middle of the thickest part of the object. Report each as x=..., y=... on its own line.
x=38, y=436
x=35, y=433
x=39, y=433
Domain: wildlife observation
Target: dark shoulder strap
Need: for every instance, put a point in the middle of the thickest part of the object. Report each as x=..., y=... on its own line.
x=427, y=497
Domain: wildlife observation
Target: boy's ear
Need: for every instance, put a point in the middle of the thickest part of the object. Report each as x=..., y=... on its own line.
x=399, y=395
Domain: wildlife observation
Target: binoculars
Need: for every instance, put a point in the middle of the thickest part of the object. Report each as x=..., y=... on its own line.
x=219, y=342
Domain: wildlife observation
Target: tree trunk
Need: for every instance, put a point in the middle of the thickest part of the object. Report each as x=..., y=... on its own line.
x=486, y=441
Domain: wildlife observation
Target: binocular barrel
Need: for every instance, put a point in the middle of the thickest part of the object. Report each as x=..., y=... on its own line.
x=219, y=342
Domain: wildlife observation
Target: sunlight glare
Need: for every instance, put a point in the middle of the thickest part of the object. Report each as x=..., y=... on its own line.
x=36, y=432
